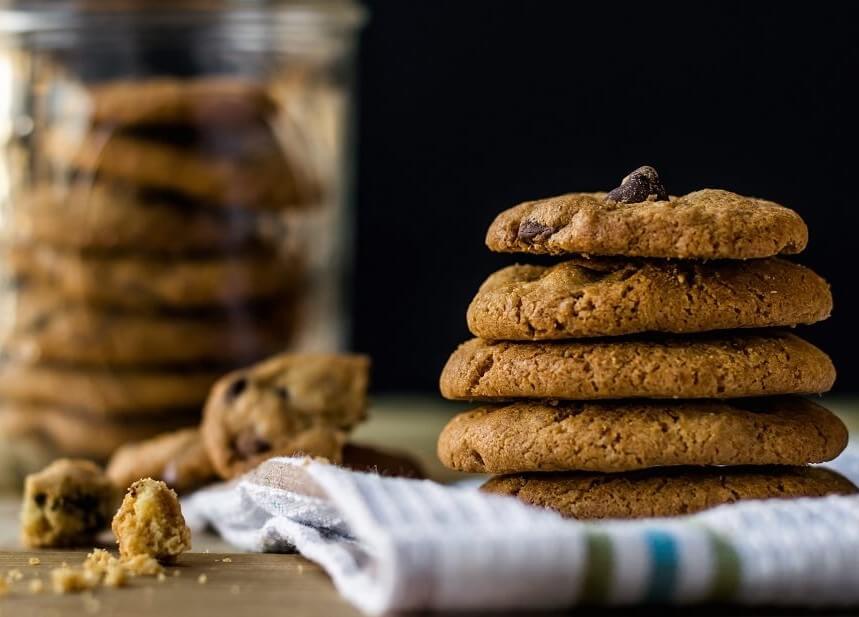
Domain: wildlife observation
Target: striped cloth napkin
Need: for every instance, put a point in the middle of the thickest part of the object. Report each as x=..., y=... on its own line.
x=393, y=544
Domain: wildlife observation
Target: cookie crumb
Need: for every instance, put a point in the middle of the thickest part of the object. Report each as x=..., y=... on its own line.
x=71, y=580
x=14, y=575
x=142, y=565
x=177, y=573
x=116, y=576
x=34, y=561
x=227, y=560
x=161, y=577
x=202, y=579
x=150, y=522
x=36, y=586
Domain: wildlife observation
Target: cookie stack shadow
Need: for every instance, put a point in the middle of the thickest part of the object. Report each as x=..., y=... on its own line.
x=146, y=255
x=649, y=373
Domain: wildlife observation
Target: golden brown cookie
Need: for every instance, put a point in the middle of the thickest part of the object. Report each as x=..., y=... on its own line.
x=383, y=462
x=115, y=217
x=66, y=504
x=288, y=404
x=150, y=283
x=234, y=169
x=220, y=100
x=607, y=297
x=718, y=366
x=622, y=436
x=46, y=327
x=706, y=224
x=178, y=458
x=665, y=492
x=106, y=392
x=150, y=522
x=71, y=433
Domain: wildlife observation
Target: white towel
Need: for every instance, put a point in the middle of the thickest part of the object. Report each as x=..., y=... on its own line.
x=393, y=544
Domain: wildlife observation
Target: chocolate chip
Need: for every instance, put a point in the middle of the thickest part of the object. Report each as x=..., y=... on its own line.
x=282, y=393
x=248, y=443
x=40, y=499
x=643, y=184
x=531, y=232
x=236, y=388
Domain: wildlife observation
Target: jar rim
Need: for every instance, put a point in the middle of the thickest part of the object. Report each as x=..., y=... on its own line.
x=34, y=17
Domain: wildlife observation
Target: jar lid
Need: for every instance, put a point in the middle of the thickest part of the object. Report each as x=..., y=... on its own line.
x=26, y=16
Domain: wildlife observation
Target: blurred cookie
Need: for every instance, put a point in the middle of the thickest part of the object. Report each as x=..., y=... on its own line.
x=384, y=462
x=622, y=436
x=706, y=224
x=115, y=217
x=220, y=100
x=48, y=328
x=723, y=366
x=178, y=458
x=288, y=404
x=73, y=434
x=105, y=392
x=137, y=282
x=604, y=297
x=665, y=492
x=236, y=169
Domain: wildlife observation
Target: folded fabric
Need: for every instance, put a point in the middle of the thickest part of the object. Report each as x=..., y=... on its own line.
x=393, y=544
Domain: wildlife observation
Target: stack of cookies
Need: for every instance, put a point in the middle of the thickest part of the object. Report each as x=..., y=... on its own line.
x=146, y=256
x=645, y=375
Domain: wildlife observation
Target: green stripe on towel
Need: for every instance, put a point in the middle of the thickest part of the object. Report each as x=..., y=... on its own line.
x=600, y=565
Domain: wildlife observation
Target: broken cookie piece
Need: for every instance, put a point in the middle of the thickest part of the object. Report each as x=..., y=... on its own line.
x=66, y=504
x=291, y=404
x=150, y=522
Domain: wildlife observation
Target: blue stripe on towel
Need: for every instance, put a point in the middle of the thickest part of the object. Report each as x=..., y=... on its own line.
x=664, y=561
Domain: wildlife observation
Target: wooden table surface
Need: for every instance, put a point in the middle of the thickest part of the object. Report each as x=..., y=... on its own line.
x=253, y=584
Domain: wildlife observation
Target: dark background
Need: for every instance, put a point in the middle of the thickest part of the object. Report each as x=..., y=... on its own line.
x=469, y=107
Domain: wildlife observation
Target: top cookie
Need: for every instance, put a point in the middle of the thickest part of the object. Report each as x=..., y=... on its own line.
x=706, y=224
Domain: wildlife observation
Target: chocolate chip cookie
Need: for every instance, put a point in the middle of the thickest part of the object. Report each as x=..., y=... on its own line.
x=133, y=281
x=66, y=504
x=665, y=492
x=150, y=522
x=610, y=297
x=705, y=224
x=246, y=169
x=712, y=366
x=178, y=458
x=107, y=216
x=72, y=433
x=289, y=404
x=48, y=328
x=612, y=437
x=103, y=392
x=216, y=100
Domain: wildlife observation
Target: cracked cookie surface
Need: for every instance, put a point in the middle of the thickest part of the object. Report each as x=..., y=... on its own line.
x=724, y=366
x=612, y=437
x=606, y=297
x=705, y=224
x=665, y=492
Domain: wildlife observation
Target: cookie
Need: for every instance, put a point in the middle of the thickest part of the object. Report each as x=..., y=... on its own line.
x=66, y=504
x=133, y=281
x=606, y=297
x=622, y=436
x=288, y=404
x=105, y=216
x=103, y=392
x=178, y=458
x=150, y=522
x=665, y=492
x=718, y=366
x=217, y=100
x=383, y=462
x=237, y=169
x=47, y=328
x=706, y=224
x=71, y=433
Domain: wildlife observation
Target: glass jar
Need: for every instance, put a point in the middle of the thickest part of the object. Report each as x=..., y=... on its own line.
x=173, y=205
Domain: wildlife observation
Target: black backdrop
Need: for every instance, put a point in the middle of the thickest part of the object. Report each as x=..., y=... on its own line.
x=468, y=107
